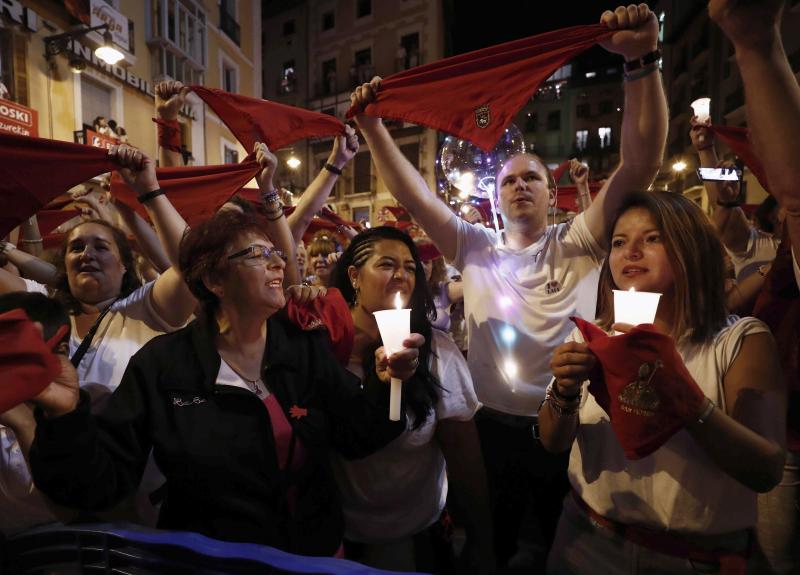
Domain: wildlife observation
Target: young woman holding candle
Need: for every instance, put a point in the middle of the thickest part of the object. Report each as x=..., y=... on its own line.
x=394, y=499
x=691, y=503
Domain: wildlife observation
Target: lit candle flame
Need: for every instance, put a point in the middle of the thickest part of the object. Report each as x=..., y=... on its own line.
x=632, y=289
x=398, y=302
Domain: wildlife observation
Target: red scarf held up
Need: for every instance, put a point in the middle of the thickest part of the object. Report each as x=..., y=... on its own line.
x=738, y=140
x=642, y=384
x=474, y=96
x=254, y=120
x=27, y=363
x=33, y=171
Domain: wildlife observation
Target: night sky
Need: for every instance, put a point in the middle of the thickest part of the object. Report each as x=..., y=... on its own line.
x=498, y=21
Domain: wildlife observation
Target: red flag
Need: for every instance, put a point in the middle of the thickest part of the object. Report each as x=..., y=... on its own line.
x=738, y=140
x=568, y=196
x=254, y=120
x=475, y=96
x=33, y=171
x=195, y=191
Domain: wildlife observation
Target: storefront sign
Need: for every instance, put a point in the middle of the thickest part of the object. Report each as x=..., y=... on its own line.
x=18, y=119
x=97, y=140
x=19, y=14
x=102, y=13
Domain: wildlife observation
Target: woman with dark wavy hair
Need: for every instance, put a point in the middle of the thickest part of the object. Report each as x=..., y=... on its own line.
x=394, y=499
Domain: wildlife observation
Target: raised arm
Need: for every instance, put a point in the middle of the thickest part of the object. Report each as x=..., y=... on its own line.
x=170, y=97
x=172, y=299
x=727, y=216
x=344, y=149
x=644, y=121
x=277, y=227
x=579, y=174
x=403, y=180
x=772, y=96
x=146, y=236
x=29, y=266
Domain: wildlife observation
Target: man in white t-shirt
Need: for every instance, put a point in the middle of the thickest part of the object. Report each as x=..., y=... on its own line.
x=521, y=288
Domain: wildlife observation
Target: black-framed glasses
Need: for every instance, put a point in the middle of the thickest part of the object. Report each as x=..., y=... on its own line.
x=257, y=255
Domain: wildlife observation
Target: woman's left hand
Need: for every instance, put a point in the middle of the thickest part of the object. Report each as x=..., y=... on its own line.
x=402, y=364
x=303, y=294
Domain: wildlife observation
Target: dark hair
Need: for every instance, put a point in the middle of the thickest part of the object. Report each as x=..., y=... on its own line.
x=204, y=249
x=245, y=205
x=763, y=213
x=696, y=256
x=130, y=281
x=420, y=392
x=48, y=312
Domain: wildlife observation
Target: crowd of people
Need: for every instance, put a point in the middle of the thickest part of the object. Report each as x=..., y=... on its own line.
x=229, y=379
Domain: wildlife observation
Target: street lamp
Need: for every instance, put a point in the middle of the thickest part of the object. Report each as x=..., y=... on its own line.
x=293, y=162
x=55, y=45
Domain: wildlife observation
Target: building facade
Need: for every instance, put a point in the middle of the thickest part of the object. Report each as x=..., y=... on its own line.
x=317, y=51
x=212, y=42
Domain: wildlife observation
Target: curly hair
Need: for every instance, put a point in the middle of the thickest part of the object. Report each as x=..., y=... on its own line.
x=420, y=392
x=130, y=281
x=204, y=248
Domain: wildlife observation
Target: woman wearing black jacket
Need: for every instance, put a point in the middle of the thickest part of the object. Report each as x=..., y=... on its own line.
x=240, y=409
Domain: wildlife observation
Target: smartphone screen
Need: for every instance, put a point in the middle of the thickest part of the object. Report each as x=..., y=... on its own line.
x=720, y=174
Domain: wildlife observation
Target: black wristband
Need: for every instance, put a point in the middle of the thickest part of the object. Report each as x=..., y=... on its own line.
x=733, y=204
x=150, y=195
x=333, y=169
x=643, y=61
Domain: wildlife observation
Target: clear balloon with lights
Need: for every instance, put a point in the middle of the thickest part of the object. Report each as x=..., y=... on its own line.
x=469, y=169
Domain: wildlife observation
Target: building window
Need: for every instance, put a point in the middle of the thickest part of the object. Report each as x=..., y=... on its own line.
x=411, y=152
x=362, y=168
x=288, y=78
x=230, y=155
x=329, y=76
x=530, y=122
x=581, y=139
x=363, y=8
x=328, y=20
x=230, y=77
x=554, y=120
x=363, y=71
x=583, y=110
x=605, y=137
x=361, y=214
x=7, y=91
x=177, y=30
x=288, y=28
x=96, y=100
x=605, y=106
x=227, y=20
x=408, y=52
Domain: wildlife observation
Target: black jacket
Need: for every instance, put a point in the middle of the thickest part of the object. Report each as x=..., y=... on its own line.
x=214, y=443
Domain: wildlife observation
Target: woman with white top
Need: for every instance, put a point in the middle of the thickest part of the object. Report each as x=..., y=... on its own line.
x=394, y=499
x=691, y=503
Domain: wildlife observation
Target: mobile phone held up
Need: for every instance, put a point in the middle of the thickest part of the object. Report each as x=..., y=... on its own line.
x=719, y=174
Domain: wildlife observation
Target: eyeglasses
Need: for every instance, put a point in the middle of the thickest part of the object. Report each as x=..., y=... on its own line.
x=256, y=255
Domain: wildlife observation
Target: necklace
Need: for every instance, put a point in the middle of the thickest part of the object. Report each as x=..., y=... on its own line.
x=252, y=383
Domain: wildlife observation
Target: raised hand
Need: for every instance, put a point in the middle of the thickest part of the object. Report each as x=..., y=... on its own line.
x=303, y=294
x=578, y=172
x=637, y=31
x=170, y=98
x=268, y=163
x=570, y=365
x=700, y=135
x=747, y=23
x=362, y=96
x=344, y=149
x=136, y=168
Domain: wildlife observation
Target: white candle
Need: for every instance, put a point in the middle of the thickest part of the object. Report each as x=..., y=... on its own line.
x=635, y=307
x=702, y=109
x=394, y=326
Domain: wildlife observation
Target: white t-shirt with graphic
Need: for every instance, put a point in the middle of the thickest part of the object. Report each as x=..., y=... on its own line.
x=513, y=324
x=677, y=487
x=761, y=250
x=401, y=489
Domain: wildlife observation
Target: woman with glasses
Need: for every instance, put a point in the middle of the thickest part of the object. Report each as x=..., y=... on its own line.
x=241, y=409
